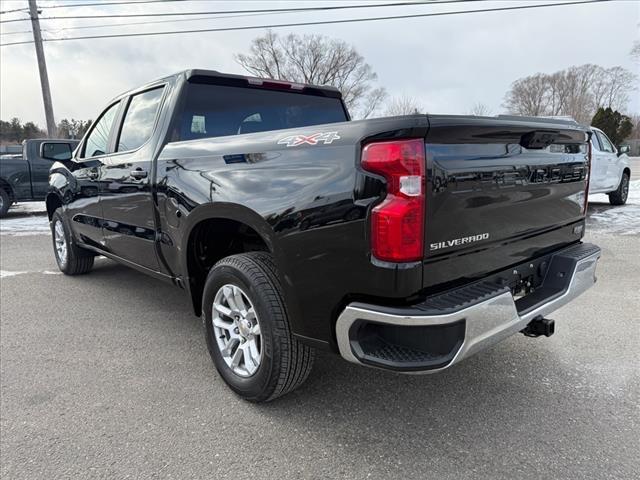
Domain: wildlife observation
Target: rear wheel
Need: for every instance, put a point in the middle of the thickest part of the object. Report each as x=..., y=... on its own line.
x=619, y=196
x=71, y=259
x=5, y=202
x=247, y=329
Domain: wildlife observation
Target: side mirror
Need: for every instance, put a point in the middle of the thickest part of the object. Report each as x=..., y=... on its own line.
x=56, y=151
x=623, y=149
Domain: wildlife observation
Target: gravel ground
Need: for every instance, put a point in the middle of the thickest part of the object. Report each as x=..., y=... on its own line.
x=107, y=376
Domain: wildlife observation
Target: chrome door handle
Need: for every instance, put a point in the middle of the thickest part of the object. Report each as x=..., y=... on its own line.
x=138, y=173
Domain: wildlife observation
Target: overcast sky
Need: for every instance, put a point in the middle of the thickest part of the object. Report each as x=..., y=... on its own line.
x=447, y=63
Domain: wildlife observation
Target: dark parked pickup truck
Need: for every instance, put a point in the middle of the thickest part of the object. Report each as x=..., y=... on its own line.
x=26, y=177
x=405, y=243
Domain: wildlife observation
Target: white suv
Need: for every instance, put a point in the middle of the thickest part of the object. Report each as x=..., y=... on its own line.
x=610, y=170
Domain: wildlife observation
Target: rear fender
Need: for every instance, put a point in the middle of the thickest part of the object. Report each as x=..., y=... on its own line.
x=221, y=210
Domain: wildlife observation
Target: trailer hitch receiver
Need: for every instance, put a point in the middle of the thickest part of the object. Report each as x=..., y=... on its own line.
x=540, y=326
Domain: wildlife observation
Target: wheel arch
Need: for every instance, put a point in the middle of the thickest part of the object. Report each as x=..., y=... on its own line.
x=6, y=186
x=53, y=201
x=215, y=231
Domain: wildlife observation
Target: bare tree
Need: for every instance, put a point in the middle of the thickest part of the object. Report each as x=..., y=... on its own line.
x=73, y=128
x=620, y=83
x=579, y=101
x=318, y=60
x=479, y=109
x=373, y=100
x=635, y=51
x=528, y=96
x=403, y=105
x=557, y=93
x=577, y=92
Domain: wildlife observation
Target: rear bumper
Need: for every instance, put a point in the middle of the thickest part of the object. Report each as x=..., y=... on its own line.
x=445, y=329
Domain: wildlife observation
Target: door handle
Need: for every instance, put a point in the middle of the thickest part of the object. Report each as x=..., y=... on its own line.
x=138, y=173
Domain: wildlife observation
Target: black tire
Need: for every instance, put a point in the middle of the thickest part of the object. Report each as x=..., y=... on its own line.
x=619, y=196
x=285, y=362
x=78, y=260
x=5, y=202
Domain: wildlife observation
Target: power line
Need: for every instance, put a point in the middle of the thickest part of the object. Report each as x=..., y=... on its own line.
x=108, y=4
x=21, y=31
x=325, y=22
x=101, y=4
x=23, y=9
x=151, y=22
x=222, y=12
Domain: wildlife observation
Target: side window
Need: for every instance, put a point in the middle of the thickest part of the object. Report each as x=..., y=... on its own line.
x=606, y=144
x=595, y=141
x=53, y=151
x=139, y=119
x=98, y=140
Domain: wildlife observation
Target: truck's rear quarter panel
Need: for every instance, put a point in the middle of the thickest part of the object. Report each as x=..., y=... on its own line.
x=313, y=200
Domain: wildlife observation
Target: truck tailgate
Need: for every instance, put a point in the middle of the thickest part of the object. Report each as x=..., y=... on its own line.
x=500, y=191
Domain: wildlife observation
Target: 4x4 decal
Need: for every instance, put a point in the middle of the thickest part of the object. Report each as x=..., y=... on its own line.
x=313, y=139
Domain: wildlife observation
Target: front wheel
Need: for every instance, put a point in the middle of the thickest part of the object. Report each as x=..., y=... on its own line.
x=71, y=259
x=247, y=329
x=620, y=195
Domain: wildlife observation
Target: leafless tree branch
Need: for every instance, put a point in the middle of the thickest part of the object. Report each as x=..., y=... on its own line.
x=318, y=60
x=403, y=105
x=577, y=91
x=480, y=110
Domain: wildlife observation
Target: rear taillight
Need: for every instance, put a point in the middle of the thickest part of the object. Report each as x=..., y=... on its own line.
x=397, y=224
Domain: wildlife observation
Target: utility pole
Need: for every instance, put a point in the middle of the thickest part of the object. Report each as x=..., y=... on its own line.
x=42, y=66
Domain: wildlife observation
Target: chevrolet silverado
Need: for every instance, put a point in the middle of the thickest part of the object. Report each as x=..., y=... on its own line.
x=405, y=243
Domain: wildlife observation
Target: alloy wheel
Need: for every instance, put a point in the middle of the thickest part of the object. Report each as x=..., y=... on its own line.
x=625, y=188
x=237, y=330
x=60, y=242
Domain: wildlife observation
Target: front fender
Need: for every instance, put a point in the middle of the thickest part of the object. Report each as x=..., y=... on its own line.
x=62, y=185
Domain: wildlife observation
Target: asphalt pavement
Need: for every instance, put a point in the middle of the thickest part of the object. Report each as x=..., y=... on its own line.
x=107, y=376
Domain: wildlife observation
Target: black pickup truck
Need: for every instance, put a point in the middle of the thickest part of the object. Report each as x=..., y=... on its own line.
x=405, y=243
x=26, y=177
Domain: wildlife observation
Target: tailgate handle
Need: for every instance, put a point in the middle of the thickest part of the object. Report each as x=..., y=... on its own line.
x=538, y=139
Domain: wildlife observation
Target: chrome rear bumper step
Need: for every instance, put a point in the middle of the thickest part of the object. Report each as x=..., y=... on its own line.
x=446, y=328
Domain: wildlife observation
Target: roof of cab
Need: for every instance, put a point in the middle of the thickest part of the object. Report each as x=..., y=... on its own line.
x=194, y=73
x=214, y=73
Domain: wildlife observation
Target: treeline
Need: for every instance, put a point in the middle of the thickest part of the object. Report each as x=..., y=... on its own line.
x=14, y=131
x=578, y=92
